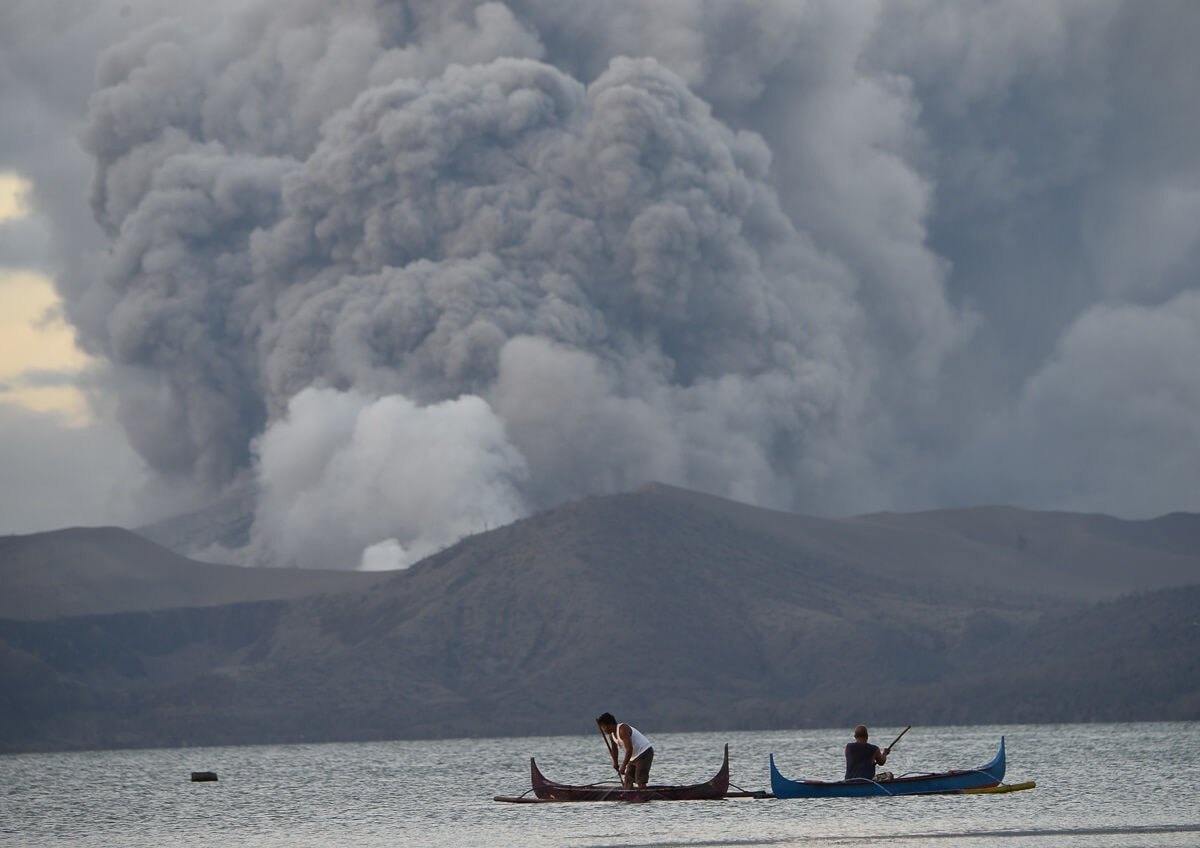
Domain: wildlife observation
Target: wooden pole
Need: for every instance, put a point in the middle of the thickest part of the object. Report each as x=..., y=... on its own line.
x=612, y=750
x=897, y=739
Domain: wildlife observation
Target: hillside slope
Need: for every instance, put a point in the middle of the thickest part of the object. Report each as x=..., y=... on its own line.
x=97, y=570
x=685, y=611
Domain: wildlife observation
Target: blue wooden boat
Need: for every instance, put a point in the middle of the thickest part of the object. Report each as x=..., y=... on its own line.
x=936, y=783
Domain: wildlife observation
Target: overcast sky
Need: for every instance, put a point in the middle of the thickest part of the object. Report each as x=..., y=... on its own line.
x=408, y=270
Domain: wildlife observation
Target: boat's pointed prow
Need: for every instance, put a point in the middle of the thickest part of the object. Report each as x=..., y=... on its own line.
x=720, y=781
x=998, y=765
x=535, y=775
x=777, y=779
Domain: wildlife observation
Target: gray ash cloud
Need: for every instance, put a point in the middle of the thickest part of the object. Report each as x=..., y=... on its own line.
x=415, y=269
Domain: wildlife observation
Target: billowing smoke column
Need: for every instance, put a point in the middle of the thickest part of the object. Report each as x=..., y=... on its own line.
x=408, y=268
x=417, y=281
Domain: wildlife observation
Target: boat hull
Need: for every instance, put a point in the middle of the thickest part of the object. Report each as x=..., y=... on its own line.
x=548, y=790
x=947, y=782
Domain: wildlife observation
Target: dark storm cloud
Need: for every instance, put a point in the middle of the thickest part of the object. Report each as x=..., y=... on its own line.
x=831, y=256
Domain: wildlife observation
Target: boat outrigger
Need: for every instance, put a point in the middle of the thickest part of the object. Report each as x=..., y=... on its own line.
x=936, y=783
x=548, y=790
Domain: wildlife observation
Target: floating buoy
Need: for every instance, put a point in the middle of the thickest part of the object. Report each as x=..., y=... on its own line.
x=199, y=776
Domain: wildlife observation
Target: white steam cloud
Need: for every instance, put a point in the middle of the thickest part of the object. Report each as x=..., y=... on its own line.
x=340, y=468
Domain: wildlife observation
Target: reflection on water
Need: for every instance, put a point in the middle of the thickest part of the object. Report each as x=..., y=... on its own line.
x=1098, y=785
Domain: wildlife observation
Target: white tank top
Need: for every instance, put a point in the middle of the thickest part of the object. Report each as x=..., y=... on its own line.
x=639, y=742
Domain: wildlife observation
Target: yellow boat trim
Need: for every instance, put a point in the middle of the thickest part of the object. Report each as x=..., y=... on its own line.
x=1004, y=787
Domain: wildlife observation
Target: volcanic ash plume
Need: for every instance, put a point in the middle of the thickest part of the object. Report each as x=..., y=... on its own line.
x=458, y=296
x=603, y=265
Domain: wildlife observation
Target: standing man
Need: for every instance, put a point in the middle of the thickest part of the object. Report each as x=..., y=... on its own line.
x=639, y=754
x=862, y=756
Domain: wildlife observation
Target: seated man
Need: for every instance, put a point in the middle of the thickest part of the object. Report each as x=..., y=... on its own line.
x=862, y=756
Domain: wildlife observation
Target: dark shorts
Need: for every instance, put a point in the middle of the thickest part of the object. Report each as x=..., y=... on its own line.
x=638, y=771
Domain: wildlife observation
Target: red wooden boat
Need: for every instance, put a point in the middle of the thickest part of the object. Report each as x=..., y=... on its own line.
x=548, y=790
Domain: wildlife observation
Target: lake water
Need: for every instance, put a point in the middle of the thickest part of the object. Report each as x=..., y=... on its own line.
x=1097, y=785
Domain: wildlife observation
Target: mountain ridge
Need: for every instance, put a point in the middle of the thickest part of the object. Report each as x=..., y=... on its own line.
x=685, y=611
x=95, y=570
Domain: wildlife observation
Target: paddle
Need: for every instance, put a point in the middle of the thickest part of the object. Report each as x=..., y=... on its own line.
x=612, y=749
x=888, y=749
